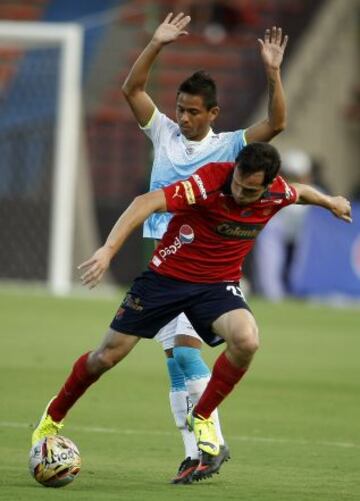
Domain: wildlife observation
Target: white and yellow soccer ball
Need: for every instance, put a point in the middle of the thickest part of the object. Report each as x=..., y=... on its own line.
x=54, y=461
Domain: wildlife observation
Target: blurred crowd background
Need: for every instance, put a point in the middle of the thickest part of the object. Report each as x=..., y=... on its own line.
x=303, y=252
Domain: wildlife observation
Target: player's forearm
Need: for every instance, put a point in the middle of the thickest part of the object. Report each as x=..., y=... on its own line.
x=276, y=101
x=129, y=220
x=139, y=73
x=137, y=212
x=339, y=206
x=307, y=195
x=95, y=267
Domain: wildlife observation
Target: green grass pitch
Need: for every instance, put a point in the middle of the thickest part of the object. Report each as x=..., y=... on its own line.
x=293, y=424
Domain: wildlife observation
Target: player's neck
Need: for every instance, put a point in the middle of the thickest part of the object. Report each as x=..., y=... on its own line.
x=199, y=138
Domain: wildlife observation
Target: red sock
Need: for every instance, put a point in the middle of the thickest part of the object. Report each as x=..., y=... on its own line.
x=224, y=377
x=75, y=385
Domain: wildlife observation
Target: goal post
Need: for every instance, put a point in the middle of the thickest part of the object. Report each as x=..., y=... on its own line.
x=68, y=38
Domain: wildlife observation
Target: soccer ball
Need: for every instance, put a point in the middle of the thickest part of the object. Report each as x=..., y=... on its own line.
x=54, y=461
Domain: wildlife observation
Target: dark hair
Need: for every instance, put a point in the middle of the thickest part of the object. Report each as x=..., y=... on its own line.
x=261, y=157
x=200, y=84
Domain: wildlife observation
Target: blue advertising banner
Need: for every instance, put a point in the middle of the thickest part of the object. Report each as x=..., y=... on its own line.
x=327, y=259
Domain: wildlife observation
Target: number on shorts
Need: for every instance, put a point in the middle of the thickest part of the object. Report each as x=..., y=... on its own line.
x=235, y=289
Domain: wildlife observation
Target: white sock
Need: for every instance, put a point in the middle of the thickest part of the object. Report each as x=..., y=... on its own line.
x=180, y=405
x=196, y=388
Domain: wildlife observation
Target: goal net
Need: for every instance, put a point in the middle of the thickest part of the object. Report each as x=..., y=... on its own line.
x=40, y=125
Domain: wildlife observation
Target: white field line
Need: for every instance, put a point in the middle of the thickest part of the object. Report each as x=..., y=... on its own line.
x=242, y=438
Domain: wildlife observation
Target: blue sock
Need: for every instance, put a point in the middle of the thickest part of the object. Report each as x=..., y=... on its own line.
x=191, y=362
x=176, y=375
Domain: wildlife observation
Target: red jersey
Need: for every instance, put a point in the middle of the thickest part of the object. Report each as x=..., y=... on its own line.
x=210, y=234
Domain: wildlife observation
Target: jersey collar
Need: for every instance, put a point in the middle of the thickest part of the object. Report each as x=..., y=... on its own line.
x=189, y=142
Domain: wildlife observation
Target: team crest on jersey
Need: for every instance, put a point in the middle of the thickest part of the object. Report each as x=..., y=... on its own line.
x=186, y=234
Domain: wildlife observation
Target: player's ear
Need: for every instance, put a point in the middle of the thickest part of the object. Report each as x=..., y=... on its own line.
x=214, y=111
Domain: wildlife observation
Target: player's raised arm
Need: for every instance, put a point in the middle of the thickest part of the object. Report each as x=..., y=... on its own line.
x=139, y=210
x=338, y=205
x=134, y=87
x=272, y=51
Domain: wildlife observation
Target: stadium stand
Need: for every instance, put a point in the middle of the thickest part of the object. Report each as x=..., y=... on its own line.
x=118, y=153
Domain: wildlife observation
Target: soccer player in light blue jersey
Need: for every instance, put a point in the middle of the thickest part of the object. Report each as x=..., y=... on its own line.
x=180, y=148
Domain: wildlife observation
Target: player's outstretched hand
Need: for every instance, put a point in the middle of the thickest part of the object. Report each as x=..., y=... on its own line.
x=95, y=267
x=341, y=208
x=171, y=28
x=273, y=47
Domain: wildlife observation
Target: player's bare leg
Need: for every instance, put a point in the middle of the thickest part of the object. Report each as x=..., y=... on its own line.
x=86, y=370
x=239, y=329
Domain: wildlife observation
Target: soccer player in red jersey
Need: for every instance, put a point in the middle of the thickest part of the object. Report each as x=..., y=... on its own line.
x=218, y=212
x=180, y=148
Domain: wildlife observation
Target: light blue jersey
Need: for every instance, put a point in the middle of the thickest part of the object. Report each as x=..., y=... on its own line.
x=176, y=158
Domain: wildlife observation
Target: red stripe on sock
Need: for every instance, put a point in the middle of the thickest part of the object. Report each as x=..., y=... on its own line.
x=224, y=377
x=75, y=386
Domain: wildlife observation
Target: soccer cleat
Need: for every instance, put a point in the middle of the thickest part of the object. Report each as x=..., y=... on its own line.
x=46, y=427
x=205, y=433
x=211, y=464
x=185, y=472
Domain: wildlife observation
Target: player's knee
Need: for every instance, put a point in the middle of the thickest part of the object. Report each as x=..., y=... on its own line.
x=103, y=360
x=246, y=342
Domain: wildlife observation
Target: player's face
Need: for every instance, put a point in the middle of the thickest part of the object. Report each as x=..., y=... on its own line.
x=192, y=116
x=247, y=189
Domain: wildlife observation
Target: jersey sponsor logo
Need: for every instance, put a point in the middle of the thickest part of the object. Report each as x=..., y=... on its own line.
x=238, y=231
x=177, y=194
x=201, y=186
x=186, y=234
x=189, y=192
x=171, y=249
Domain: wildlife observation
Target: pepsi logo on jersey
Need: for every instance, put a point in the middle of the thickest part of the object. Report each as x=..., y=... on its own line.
x=186, y=234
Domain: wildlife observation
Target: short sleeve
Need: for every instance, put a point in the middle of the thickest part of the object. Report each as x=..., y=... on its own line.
x=180, y=195
x=239, y=140
x=156, y=126
x=291, y=194
x=236, y=141
x=197, y=188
